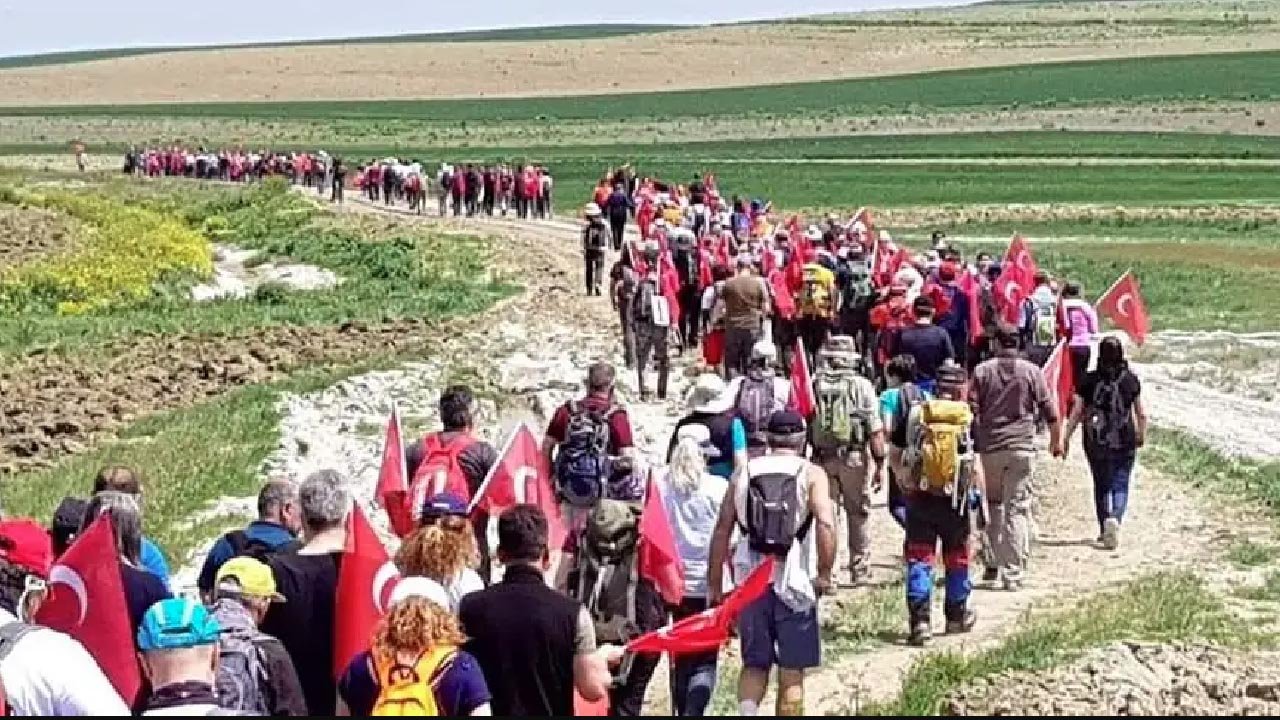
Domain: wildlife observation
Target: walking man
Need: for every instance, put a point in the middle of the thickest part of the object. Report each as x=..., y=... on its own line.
x=746, y=303
x=594, y=242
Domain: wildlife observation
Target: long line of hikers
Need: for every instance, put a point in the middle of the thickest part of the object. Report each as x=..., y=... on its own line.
x=834, y=365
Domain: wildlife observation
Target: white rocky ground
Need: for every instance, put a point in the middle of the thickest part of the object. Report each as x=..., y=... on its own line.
x=237, y=273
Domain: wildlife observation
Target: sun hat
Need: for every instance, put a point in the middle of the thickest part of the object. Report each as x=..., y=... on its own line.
x=709, y=395
x=764, y=350
x=175, y=624
x=247, y=576
x=423, y=587
x=701, y=435
x=591, y=210
x=26, y=544
x=813, y=233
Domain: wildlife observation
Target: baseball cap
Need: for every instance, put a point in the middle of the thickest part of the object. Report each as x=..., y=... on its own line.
x=247, y=576
x=444, y=505
x=26, y=544
x=786, y=422
x=176, y=624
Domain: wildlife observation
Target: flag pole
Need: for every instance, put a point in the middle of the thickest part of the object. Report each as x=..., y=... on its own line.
x=484, y=485
x=1114, y=285
x=404, y=462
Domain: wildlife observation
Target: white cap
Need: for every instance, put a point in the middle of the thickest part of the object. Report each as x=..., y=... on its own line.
x=422, y=587
x=764, y=349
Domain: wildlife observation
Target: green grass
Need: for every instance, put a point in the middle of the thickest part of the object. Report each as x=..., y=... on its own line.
x=1178, y=454
x=1163, y=608
x=1245, y=231
x=1247, y=554
x=1193, y=78
x=405, y=272
x=1268, y=591
x=516, y=34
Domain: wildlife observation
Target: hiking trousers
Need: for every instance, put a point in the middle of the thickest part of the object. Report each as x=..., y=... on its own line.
x=813, y=332
x=1009, y=503
x=594, y=260
x=652, y=340
x=737, y=350
x=618, y=226
x=690, y=314
x=930, y=520
x=693, y=675
x=850, y=478
x=628, y=334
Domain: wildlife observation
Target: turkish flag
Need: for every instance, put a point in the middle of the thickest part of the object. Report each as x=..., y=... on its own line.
x=709, y=629
x=784, y=304
x=366, y=577
x=393, y=478
x=87, y=602
x=1019, y=255
x=1123, y=304
x=972, y=289
x=521, y=476
x=1010, y=293
x=659, y=560
x=671, y=288
x=1059, y=375
x=801, y=382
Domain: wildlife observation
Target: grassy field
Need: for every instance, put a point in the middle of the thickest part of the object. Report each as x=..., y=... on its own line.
x=521, y=34
x=1191, y=78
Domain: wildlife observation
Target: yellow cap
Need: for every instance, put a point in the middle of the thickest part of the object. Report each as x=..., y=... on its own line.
x=248, y=576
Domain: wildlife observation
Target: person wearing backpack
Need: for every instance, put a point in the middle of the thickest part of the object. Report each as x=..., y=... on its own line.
x=42, y=672
x=857, y=296
x=897, y=400
x=1039, y=323
x=178, y=641
x=416, y=664
x=624, y=280
x=620, y=206
x=712, y=406
x=955, y=319
x=943, y=484
x=1108, y=405
x=276, y=530
x=758, y=395
x=815, y=307
x=595, y=240
x=1081, y=325
x=1010, y=400
x=782, y=504
x=686, y=256
x=255, y=674
x=651, y=321
x=847, y=437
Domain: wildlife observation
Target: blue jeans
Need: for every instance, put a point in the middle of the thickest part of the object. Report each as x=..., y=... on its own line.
x=1111, y=485
x=693, y=675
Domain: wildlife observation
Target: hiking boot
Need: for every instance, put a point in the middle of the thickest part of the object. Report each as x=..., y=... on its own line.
x=991, y=574
x=962, y=624
x=1111, y=534
x=921, y=633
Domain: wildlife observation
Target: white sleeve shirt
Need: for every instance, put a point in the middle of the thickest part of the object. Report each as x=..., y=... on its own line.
x=48, y=673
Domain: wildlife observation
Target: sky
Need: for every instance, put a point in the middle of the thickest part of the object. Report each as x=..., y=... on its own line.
x=38, y=26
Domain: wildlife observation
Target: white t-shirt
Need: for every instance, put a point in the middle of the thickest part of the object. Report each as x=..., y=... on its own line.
x=48, y=673
x=793, y=577
x=693, y=519
x=467, y=582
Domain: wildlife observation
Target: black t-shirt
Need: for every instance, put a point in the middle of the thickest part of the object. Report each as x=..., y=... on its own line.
x=1130, y=389
x=930, y=345
x=304, y=622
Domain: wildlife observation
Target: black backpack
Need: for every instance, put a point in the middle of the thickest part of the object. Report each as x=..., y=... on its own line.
x=859, y=292
x=909, y=397
x=244, y=546
x=596, y=238
x=642, y=304
x=1107, y=418
x=771, y=524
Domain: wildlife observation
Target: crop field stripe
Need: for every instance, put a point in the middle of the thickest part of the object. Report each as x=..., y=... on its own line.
x=1199, y=78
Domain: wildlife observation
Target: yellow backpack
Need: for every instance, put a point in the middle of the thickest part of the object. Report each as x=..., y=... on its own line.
x=816, y=297
x=409, y=690
x=943, y=443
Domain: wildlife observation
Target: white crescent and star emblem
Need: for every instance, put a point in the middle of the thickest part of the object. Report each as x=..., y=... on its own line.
x=1125, y=299
x=1024, y=260
x=61, y=574
x=520, y=483
x=386, y=575
x=1011, y=291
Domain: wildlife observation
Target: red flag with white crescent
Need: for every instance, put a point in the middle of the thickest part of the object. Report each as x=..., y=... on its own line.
x=707, y=630
x=1010, y=293
x=87, y=602
x=1019, y=256
x=393, y=478
x=1059, y=375
x=520, y=477
x=658, y=559
x=366, y=578
x=1124, y=305
x=801, y=382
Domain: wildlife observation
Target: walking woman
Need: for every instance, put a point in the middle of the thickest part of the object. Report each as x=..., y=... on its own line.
x=444, y=549
x=692, y=497
x=1108, y=405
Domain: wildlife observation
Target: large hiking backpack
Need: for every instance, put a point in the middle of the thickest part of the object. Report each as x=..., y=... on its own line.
x=839, y=424
x=409, y=690
x=583, y=463
x=595, y=238
x=440, y=471
x=772, y=524
x=815, y=295
x=898, y=318
x=859, y=292
x=755, y=403
x=241, y=674
x=1107, y=417
x=606, y=571
x=1044, y=321
x=642, y=302
x=943, y=444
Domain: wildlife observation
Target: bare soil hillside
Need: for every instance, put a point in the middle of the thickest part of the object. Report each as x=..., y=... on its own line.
x=810, y=49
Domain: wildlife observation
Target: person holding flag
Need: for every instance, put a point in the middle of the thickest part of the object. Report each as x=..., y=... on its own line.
x=1081, y=326
x=1010, y=400
x=44, y=672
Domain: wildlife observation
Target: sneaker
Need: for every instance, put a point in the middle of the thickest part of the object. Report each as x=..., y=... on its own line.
x=1111, y=534
x=921, y=634
x=963, y=625
x=991, y=574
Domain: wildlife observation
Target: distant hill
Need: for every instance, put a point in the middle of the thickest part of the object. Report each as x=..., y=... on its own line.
x=520, y=34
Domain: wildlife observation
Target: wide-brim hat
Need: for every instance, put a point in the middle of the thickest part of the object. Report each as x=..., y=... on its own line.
x=710, y=395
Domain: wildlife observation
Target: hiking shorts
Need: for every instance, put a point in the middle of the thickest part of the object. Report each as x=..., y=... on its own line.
x=774, y=634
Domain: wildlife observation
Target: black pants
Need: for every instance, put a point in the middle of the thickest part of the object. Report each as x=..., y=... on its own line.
x=628, y=333
x=336, y=195
x=813, y=333
x=627, y=700
x=488, y=200
x=457, y=204
x=388, y=195
x=1079, y=363
x=619, y=227
x=652, y=340
x=690, y=314
x=737, y=350
x=594, y=260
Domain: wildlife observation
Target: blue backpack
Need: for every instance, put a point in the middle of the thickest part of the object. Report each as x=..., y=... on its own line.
x=583, y=465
